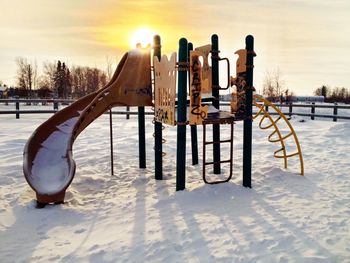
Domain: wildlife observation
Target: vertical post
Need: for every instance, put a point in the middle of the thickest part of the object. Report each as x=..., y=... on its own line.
x=194, y=138
x=142, y=137
x=158, y=134
x=127, y=112
x=111, y=140
x=181, y=116
x=216, y=103
x=290, y=110
x=55, y=105
x=247, y=125
x=335, y=111
x=17, y=108
x=313, y=111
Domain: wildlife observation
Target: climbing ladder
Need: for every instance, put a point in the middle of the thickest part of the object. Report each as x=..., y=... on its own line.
x=261, y=104
x=218, y=118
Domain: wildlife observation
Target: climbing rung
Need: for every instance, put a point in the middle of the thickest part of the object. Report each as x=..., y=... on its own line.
x=230, y=161
x=218, y=142
x=277, y=151
x=269, y=126
x=209, y=163
x=286, y=156
x=279, y=139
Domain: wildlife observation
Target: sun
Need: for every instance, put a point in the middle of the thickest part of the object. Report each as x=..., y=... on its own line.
x=142, y=37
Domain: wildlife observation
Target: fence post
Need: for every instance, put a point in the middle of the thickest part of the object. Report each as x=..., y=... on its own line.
x=267, y=108
x=313, y=111
x=55, y=105
x=127, y=114
x=335, y=111
x=290, y=109
x=17, y=108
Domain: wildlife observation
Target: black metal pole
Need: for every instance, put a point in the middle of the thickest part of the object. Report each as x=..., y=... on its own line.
x=142, y=137
x=216, y=102
x=181, y=117
x=158, y=133
x=247, y=125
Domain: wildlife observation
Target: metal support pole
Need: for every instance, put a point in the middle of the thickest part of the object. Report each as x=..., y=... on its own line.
x=247, y=125
x=216, y=102
x=194, y=144
x=158, y=134
x=111, y=140
x=142, y=137
x=181, y=117
x=194, y=137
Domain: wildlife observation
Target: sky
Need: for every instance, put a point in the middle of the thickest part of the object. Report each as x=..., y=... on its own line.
x=308, y=42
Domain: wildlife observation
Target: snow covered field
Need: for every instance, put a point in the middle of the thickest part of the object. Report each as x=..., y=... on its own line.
x=133, y=218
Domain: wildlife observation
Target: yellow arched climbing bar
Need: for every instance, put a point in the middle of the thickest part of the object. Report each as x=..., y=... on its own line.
x=260, y=103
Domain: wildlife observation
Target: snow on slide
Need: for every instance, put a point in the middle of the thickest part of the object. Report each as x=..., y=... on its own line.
x=51, y=159
x=48, y=163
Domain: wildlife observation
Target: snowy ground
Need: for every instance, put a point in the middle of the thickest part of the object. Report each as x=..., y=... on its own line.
x=133, y=218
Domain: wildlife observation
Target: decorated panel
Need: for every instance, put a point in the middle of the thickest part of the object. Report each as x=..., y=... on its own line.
x=165, y=89
x=238, y=103
x=204, y=51
x=197, y=112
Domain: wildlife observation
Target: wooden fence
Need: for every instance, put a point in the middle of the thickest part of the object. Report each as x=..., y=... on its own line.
x=287, y=109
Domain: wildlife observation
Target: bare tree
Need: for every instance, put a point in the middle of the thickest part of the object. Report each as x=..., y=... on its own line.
x=268, y=88
x=48, y=77
x=274, y=85
x=85, y=80
x=27, y=74
x=78, y=81
x=109, y=68
x=92, y=79
x=34, y=74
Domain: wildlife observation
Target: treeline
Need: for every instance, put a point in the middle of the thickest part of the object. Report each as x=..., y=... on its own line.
x=57, y=80
x=333, y=94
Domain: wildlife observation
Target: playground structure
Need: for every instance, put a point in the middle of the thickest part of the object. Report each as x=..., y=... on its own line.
x=48, y=163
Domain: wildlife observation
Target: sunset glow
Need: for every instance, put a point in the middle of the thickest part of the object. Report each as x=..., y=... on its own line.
x=305, y=40
x=142, y=36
